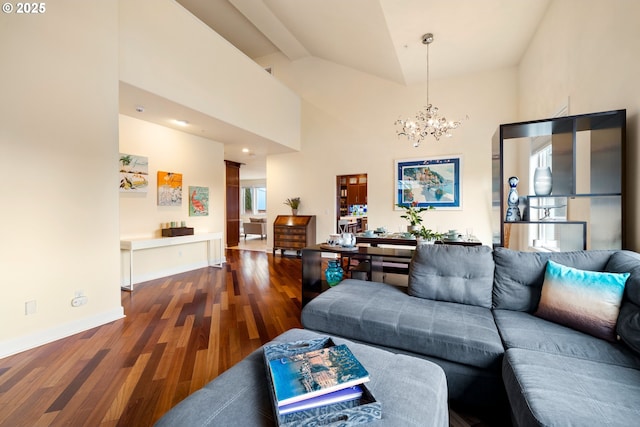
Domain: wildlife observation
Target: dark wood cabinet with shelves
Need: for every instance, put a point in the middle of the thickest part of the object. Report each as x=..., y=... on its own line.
x=293, y=232
x=343, y=207
x=585, y=208
x=357, y=190
x=351, y=190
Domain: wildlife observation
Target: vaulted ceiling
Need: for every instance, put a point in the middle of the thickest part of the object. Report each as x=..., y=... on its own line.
x=379, y=37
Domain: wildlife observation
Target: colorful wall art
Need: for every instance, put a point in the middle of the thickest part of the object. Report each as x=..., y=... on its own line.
x=198, y=201
x=134, y=173
x=429, y=182
x=169, y=189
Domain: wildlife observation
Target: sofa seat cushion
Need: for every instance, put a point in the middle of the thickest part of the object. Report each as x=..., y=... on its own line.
x=385, y=315
x=519, y=275
x=552, y=390
x=526, y=331
x=452, y=273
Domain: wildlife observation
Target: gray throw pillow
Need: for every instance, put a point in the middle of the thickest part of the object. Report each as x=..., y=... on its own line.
x=628, y=327
x=453, y=273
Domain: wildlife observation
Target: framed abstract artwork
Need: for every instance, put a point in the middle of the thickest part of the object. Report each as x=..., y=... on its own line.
x=169, y=189
x=429, y=181
x=198, y=201
x=134, y=173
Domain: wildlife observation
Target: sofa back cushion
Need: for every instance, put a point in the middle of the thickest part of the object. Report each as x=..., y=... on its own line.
x=628, y=327
x=519, y=275
x=627, y=262
x=453, y=273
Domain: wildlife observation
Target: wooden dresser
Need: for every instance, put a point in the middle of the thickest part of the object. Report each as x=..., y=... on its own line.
x=293, y=232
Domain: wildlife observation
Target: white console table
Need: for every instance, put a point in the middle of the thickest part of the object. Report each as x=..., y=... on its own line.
x=140, y=244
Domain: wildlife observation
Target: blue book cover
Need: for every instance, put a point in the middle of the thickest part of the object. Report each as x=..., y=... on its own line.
x=315, y=373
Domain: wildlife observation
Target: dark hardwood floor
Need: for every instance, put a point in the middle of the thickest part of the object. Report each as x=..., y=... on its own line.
x=179, y=333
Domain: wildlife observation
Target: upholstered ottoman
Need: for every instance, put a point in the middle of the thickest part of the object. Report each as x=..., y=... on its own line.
x=413, y=392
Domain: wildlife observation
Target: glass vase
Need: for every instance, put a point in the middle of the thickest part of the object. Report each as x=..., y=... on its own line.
x=334, y=272
x=542, y=181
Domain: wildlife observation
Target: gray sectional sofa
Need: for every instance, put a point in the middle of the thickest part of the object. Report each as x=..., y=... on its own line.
x=477, y=313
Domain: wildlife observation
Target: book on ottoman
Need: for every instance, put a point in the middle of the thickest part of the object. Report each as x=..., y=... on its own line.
x=315, y=373
x=314, y=380
x=349, y=393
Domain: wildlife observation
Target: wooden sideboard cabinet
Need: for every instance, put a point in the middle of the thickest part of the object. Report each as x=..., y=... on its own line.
x=293, y=232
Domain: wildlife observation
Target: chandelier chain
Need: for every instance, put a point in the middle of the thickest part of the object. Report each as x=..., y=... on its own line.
x=428, y=43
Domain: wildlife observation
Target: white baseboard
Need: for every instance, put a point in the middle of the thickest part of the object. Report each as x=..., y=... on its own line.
x=158, y=274
x=27, y=342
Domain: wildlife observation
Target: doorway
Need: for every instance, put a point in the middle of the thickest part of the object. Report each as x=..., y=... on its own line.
x=351, y=203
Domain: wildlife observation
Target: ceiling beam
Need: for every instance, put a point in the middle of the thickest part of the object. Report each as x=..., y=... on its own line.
x=259, y=14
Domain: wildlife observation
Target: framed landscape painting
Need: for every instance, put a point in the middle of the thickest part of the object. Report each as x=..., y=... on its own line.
x=432, y=181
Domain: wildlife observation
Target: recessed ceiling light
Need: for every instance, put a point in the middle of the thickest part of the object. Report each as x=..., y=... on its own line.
x=245, y=150
x=181, y=122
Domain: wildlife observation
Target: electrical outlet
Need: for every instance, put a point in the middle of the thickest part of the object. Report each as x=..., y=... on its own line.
x=30, y=307
x=78, y=301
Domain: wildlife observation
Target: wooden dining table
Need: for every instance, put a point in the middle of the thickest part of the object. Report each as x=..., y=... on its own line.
x=398, y=239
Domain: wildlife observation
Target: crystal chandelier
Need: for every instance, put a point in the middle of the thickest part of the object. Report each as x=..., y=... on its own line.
x=427, y=121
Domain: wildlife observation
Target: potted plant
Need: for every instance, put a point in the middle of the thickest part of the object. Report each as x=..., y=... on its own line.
x=413, y=214
x=293, y=203
x=427, y=235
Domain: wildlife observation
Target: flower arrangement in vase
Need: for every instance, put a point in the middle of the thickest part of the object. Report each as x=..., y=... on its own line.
x=294, y=204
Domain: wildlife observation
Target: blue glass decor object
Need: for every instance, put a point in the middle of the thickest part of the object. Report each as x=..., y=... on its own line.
x=334, y=272
x=513, y=212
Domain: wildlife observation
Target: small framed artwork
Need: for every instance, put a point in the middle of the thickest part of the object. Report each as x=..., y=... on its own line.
x=169, y=189
x=198, y=201
x=429, y=181
x=134, y=173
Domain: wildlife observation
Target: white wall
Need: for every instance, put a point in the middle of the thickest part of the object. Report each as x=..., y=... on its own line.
x=165, y=50
x=348, y=127
x=201, y=163
x=58, y=144
x=586, y=50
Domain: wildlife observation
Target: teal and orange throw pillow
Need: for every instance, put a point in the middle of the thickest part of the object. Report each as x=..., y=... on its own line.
x=587, y=301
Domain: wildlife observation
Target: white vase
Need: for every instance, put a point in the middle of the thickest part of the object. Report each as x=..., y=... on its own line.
x=542, y=181
x=412, y=228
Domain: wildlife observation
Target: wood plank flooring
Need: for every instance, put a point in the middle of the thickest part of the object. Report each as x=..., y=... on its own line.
x=180, y=332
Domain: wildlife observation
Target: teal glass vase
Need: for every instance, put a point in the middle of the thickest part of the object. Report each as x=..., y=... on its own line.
x=334, y=272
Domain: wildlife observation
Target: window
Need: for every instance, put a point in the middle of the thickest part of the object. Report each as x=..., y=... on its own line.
x=541, y=236
x=253, y=200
